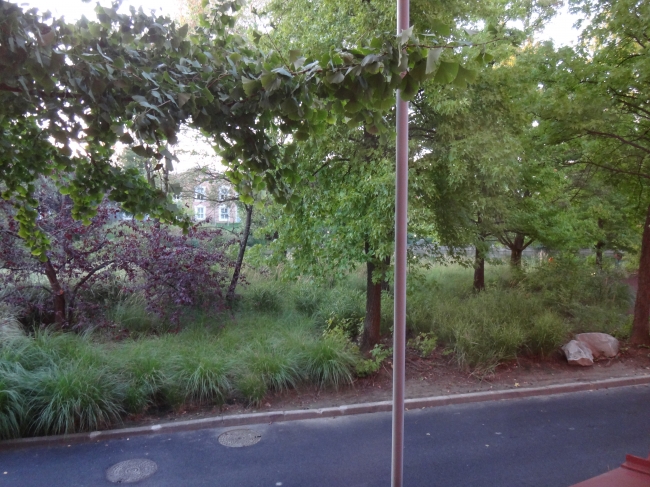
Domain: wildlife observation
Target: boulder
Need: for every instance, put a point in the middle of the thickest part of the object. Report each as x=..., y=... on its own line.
x=600, y=344
x=577, y=353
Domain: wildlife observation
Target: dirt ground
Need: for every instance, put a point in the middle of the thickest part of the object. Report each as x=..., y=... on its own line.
x=434, y=376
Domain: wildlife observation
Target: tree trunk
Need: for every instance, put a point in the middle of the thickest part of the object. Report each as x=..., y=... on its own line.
x=641, y=323
x=599, y=254
x=479, y=271
x=58, y=292
x=385, y=285
x=517, y=250
x=242, y=250
x=600, y=245
x=372, y=321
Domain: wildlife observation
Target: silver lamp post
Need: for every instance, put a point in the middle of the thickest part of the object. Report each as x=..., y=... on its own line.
x=401, y=205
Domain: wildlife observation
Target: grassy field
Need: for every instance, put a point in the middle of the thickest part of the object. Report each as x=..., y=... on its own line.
x=277, y=339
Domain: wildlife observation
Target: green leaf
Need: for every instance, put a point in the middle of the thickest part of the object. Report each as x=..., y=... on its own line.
x=140, y=150
x=405, y=35
x=206, y=93
x=270, y=81
x=446, y=72
x=183, y=98
x=296, y=59
x=283, y=72
x=126, y=139
x=408, y=88
x=250, y=85
x=440, y=28
x=433, y=55
x=465, y=77
x=418, y=72
x=484, y=58
x=335, y=78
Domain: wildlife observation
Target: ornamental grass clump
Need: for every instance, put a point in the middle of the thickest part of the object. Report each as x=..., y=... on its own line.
x=278, y=367
x=12, y=400
x=73, y=397
x=329, y=361
x=148, y=367
x=265, y=297
x=307, y=298
x=202, y=375
x=547, y=334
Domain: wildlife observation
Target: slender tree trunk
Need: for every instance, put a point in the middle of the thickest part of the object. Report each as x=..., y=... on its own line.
x=166, y=177
x=242, y=250
x=641, y=323
x=599, y=254
x=479, y=271
x=372, y=322
x=58, y=292
x=517, y=250
x=600, y=245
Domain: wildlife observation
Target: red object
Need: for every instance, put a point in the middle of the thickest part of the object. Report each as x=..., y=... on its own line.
x=635, y=472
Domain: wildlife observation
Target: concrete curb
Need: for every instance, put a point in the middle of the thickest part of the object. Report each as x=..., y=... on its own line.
x=294, y=415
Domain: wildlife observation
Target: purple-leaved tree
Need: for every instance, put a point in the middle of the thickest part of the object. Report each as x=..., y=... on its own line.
x=172, y=269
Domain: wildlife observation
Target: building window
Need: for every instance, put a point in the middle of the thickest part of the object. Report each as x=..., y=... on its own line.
x=224, y=213
x=224, y=193
x=199, y=193
x=199, y=213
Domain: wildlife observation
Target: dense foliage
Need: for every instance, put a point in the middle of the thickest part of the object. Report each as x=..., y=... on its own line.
x=173, y=270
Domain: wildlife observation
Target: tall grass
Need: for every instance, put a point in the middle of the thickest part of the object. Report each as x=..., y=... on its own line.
x=12, y=400
x=68, y=398
x=63, y=382
x=533, y=311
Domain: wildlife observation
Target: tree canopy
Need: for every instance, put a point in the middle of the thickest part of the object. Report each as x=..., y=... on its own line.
x=70, y=92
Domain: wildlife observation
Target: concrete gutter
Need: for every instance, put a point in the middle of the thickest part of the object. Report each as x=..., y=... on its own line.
x=301, y=414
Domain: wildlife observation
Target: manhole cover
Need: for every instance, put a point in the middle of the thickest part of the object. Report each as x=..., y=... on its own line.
x=131, y=471
x=239, y=438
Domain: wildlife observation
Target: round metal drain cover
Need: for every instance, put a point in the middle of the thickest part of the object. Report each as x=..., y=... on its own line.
x=131, y=471
x=239, y=438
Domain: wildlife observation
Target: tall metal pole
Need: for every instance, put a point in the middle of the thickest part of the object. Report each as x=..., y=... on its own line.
x=399, y=334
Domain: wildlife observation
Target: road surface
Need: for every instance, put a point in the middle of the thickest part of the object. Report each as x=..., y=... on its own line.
x=549, y=441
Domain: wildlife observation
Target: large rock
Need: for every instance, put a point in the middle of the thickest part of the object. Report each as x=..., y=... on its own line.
x=600, y=344
x=577, y=353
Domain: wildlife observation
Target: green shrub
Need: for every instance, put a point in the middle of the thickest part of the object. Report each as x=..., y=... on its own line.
x=424, y=344
x=73, y=397
x=343, y=308
x=347, y=327
x=370, y=366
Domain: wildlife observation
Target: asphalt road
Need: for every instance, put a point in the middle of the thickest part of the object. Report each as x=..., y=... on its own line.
x=551, y=441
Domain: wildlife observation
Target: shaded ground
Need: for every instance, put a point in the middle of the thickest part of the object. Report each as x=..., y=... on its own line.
x=434, y=376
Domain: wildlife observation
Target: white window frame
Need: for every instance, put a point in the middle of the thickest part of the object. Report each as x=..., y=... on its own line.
x=199, y=193
x=224, y=193
x=221, y=213
x=199, y=212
